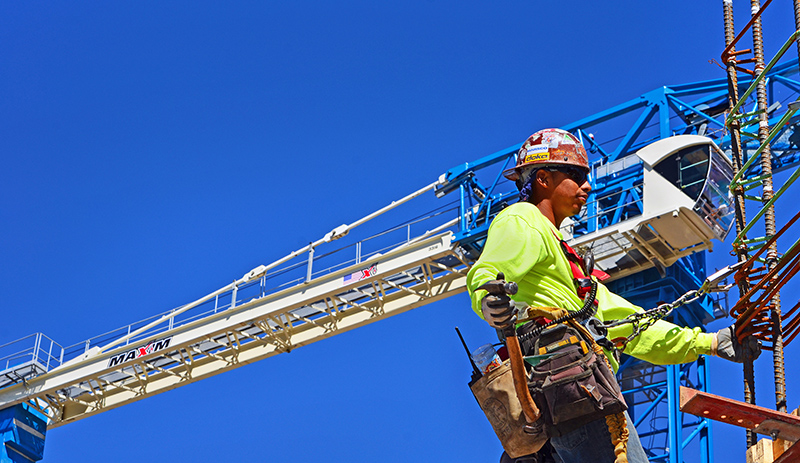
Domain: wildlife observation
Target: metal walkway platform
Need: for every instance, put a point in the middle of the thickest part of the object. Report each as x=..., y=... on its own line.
x=409, y=276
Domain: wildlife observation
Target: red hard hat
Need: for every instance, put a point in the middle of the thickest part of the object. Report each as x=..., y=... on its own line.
x=548, y=147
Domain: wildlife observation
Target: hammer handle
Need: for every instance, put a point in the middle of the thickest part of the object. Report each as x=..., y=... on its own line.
x=519, y=374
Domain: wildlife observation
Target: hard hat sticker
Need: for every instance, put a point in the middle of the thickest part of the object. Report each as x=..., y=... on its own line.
x=537, y=157
x=536, y=149
x=551, y=139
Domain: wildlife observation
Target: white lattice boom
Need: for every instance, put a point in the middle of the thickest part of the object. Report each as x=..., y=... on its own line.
x=409, y=276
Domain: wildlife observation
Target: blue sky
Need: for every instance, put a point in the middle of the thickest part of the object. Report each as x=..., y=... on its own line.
x=155, y=151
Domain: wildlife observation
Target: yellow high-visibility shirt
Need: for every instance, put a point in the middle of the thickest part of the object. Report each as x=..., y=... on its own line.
x=525, y=246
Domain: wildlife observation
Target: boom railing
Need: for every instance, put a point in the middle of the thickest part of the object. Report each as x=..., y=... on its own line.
x=27, y=357
x=294, y=271
x=43, y=350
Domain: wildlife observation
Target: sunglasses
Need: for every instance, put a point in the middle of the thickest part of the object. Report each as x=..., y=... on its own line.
x=576, y=174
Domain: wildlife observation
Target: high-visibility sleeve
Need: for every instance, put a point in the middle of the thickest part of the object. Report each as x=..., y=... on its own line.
x=663, y=343
x=521, y=243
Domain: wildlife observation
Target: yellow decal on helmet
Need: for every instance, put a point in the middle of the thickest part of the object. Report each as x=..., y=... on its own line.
x=536, y=153
x=537, y=157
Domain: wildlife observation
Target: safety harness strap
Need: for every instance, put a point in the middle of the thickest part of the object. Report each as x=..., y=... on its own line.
x=575, y=260
x=617, y=423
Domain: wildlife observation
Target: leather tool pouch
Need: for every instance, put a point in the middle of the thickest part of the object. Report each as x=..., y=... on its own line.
x=498, y=400
x=570, y=384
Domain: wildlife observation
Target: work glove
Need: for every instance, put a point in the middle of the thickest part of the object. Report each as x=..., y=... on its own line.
x=725, y=345
x=499, y=310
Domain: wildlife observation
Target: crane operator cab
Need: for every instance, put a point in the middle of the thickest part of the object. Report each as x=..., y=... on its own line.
x=685, y=203
x=696, y=167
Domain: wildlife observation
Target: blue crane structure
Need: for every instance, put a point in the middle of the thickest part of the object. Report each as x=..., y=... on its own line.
x=617, y=195
x=308, y=296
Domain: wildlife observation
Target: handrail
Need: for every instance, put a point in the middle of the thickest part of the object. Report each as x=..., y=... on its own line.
x=82, y=347
x=261, y=270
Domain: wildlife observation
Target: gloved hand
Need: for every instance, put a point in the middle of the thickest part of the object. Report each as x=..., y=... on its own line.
x=499, y=310
x=725, y=345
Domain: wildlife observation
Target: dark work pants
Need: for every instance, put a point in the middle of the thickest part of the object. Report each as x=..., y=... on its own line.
x=590, y=443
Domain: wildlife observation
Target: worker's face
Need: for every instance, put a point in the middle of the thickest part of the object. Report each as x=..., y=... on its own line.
x=571, y=191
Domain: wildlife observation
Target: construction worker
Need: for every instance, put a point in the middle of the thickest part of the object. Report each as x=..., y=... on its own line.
x=524, y=243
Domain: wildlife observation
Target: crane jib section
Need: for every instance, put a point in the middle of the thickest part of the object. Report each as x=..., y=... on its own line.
x=411, y=275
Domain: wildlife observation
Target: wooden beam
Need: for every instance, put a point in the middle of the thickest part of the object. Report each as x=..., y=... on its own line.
x=759, y=419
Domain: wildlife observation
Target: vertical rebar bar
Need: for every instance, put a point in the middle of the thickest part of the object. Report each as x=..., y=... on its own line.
x=797, y=24
x=769, y=215
x=736, y=135
x=741, y=218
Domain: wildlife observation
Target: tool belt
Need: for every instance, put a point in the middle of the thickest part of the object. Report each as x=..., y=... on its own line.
x=496, y=396
x=570, y=379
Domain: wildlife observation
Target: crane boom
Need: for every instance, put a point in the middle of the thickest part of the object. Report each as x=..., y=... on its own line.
x=632, y=226
x=408, y=276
